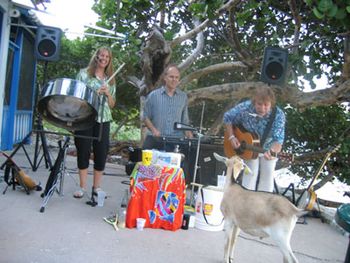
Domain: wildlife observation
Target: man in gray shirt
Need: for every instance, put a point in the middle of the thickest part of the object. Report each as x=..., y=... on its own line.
x=164, y=107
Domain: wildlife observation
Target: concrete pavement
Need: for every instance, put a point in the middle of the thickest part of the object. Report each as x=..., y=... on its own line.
x=71, y=231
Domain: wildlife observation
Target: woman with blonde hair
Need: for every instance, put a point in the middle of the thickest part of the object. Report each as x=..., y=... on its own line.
x=95, y=76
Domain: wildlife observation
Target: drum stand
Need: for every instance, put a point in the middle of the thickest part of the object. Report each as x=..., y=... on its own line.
x=56, y=177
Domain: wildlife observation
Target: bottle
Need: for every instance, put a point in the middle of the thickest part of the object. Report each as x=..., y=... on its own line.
x=122, y=210
x=121, y=217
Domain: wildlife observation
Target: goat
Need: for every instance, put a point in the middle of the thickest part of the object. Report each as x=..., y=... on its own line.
x=260, y=214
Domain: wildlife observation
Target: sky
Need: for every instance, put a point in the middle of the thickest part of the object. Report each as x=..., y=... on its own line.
x=69, y=15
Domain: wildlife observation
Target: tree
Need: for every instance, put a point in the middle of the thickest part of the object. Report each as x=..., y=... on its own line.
x=219, y=48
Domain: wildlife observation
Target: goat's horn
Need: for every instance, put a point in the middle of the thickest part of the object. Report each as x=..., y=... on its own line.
x=219, y=157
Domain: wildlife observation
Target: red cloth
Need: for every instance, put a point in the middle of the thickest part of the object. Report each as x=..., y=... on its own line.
x=157, y=193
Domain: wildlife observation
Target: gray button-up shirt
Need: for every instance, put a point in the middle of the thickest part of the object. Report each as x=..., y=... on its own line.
x=163, y=111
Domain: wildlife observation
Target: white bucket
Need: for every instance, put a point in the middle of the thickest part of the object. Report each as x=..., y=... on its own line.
x=209, y=205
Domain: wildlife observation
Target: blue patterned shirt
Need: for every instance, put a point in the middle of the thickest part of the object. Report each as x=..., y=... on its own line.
x=243, y=115
x=95, y=83
x=163, y=110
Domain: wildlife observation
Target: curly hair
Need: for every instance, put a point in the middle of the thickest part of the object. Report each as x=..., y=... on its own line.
x=264, y=93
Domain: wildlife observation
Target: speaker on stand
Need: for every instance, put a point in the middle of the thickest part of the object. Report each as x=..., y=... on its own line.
x=274, y=66
x=47, y=48
x=47, y=43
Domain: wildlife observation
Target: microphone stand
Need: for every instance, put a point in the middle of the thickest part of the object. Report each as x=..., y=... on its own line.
x=199, y=134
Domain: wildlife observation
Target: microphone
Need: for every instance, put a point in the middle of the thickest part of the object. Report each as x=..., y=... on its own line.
x=183, y=127
x=177, y=125
x=254, y=115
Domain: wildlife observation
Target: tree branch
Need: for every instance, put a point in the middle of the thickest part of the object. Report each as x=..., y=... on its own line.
x=214, y=68
x=290, y=94
x=190, y=34
x=198, y=50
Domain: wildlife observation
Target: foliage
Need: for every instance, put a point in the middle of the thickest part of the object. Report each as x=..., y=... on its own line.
x=317, y=129
x=337, y=12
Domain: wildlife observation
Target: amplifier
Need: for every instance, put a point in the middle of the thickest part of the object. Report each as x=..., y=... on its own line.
x=209, y=167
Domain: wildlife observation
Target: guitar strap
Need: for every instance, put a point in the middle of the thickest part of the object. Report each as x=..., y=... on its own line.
x=268, y=126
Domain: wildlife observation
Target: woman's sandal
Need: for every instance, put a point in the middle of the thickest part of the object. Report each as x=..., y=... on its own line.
x=79, y=193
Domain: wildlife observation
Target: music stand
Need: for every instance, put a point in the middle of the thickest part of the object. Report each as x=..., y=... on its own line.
x=56, y=177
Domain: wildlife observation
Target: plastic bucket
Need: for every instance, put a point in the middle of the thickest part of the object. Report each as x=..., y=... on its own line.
x=208, y=213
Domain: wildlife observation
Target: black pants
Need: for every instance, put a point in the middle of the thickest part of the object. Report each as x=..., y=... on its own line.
x=100, y=148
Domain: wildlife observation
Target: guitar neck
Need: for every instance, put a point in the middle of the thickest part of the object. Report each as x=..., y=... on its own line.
x=256, y=149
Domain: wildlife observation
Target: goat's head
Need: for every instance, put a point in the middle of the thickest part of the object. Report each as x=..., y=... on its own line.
x=234, y=164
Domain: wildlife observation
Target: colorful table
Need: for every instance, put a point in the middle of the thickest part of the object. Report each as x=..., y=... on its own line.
x=157, y=193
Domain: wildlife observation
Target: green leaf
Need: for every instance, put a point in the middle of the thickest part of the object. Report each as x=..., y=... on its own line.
x=333, y=11
x=317, y=13
x=308, y=2
x=325, y=5
x=348, y=9
x=341, y=14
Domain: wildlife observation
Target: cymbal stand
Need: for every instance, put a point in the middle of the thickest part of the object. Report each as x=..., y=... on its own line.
x=196, y=167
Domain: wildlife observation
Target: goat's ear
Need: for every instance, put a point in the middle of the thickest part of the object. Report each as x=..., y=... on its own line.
x=247, y=170
x=219, y=157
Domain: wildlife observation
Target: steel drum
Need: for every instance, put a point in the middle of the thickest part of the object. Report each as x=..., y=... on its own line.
x=69, y=104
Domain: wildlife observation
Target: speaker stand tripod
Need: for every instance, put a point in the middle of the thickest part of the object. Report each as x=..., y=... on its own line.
x=38, y=155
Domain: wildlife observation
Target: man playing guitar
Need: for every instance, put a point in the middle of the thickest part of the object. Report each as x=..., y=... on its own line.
x=261, y=117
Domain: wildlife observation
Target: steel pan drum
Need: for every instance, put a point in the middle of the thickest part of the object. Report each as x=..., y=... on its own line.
x=69, y=104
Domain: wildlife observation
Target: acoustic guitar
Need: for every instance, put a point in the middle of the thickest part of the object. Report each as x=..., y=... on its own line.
x=308, y=197
x=250, y=146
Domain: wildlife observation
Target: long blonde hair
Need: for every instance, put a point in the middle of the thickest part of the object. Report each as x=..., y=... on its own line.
x=93, y=64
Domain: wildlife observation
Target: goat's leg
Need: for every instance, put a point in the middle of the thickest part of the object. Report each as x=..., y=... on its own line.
x=234, y=235
x=231, y=237
x=228, y=240
x=282, y=240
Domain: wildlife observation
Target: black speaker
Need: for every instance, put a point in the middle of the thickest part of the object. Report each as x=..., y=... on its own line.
x=274, y=66
x=209, y=167
x=47, y=43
